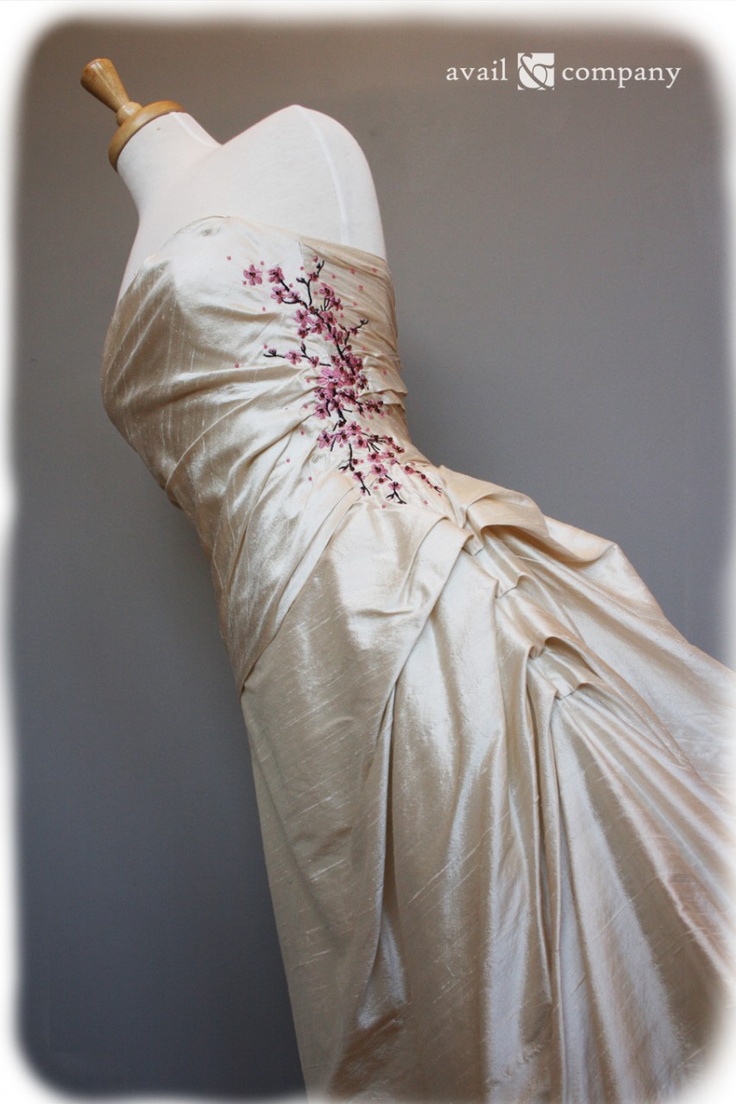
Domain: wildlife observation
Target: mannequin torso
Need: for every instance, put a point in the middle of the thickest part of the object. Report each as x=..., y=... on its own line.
x=177, y=174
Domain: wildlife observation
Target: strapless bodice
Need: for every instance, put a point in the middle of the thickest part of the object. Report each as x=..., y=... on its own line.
x=257, y=375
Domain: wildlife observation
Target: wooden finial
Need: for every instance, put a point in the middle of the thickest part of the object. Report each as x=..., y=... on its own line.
x=101, y=78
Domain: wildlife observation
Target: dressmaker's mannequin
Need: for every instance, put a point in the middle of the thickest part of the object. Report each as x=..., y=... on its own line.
x=489, y=772
x=297, y=169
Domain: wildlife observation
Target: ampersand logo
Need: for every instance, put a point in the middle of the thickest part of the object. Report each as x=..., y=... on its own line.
x=536, y=71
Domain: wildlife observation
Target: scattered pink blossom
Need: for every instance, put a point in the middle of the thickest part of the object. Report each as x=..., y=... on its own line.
x=253, y=276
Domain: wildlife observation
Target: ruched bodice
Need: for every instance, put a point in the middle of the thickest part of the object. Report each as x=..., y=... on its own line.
x=490, y=774
x=209, y=378
x=266, y=418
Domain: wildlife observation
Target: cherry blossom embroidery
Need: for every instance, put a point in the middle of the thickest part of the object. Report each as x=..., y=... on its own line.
x=341, y=395
x=252, y=276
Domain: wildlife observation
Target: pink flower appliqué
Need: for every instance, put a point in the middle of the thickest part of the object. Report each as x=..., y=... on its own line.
x=253, y=276
x=341, y=394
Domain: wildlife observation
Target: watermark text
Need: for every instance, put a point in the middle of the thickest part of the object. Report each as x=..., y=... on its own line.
x=536, y=72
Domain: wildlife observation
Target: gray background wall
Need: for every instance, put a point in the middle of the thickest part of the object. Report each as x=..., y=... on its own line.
x=560, y=277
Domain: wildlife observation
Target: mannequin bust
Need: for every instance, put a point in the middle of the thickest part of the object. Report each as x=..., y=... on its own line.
x=177, y=173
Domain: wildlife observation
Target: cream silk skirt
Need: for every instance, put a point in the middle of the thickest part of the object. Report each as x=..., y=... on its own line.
x=496, y=839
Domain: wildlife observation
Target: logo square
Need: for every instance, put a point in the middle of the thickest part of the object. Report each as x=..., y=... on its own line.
x=536, y=71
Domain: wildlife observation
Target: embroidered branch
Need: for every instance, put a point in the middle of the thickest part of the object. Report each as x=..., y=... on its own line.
x=341, y=395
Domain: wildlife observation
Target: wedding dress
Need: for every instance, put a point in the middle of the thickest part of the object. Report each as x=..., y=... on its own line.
x=489, y=771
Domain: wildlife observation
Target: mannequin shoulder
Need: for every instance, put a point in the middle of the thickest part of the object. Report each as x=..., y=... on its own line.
x=321, y=124
x=297, y=126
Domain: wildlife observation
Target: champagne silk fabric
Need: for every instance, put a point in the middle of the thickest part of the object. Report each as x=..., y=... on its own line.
x=489, y=772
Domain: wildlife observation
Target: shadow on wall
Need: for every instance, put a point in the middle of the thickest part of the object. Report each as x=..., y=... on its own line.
x=559, y=273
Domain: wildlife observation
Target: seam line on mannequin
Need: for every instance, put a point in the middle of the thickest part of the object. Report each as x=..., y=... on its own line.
x=327, y=153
